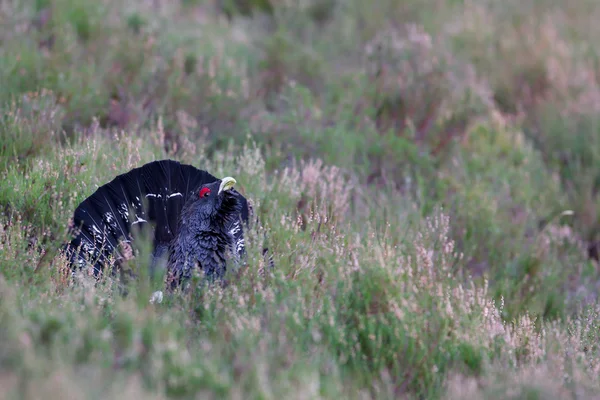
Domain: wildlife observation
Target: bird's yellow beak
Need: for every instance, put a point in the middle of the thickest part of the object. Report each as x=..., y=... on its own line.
x=226, y=184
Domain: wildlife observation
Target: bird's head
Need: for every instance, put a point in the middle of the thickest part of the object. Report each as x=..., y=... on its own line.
x=213, y=204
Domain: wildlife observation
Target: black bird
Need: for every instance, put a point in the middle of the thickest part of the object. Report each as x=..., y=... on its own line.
x=196, y=220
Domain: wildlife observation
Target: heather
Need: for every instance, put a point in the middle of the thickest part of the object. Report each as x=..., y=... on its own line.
x=425, y=174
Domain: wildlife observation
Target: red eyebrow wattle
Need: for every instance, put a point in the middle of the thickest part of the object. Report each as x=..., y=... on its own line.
x=204, y=191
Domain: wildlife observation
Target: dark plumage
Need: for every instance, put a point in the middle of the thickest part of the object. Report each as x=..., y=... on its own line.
x=195, y=220
x=208, y=225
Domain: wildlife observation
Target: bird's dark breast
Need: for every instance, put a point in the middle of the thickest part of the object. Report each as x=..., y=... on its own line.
x=205, y=250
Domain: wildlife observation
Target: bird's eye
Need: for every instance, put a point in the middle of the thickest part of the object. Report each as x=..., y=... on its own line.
x=204, y=192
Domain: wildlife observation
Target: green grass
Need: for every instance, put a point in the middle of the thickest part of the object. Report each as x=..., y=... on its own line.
x=426, y=175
